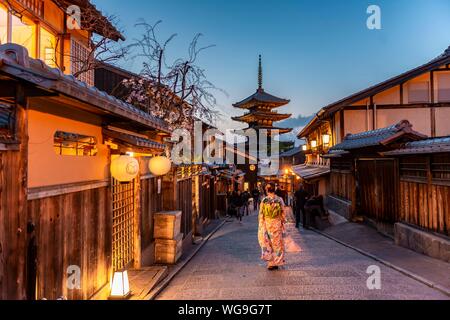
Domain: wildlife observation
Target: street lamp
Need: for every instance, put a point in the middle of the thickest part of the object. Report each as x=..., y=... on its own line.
x=120, y=286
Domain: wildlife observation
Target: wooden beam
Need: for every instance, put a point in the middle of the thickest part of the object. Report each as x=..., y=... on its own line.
x=373, y=113
x=402, y=93
x=342, y=124
x=432, y=109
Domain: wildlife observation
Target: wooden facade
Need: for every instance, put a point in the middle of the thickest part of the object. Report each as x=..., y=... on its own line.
x=425, y=192
x=419, y=95
x=73, y=229
x=408, y=183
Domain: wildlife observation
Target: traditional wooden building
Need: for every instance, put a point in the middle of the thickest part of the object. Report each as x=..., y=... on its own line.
x=41, y=26
x=397, y=179
x=421, y=95
x=61, y=210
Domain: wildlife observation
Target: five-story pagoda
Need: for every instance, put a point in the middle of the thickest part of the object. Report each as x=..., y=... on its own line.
x=260, y=107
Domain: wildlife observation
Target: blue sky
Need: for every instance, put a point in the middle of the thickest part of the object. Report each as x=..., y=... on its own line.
x=314, y=51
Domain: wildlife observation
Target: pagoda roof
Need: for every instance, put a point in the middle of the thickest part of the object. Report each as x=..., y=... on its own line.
x=261, y=97
x=281, y=130
x=257, y=115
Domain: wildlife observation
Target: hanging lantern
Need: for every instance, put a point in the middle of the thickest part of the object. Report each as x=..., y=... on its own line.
x=159, y=166
x=314, y=144
x=304, y=147
x=120, y=286
x=326, y=139
x=124, y=168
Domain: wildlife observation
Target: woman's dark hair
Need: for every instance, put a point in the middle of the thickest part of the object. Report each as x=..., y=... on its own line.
x=270, y=188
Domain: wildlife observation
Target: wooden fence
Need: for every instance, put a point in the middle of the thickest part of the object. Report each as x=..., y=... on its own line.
x=73, y=229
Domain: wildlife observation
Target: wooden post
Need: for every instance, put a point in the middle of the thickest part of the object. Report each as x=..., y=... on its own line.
x=13, y=208
x=137, y=223
x=169, y=191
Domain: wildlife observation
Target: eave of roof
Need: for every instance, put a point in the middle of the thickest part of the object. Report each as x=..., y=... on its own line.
x=15, y=62
x=134, y=140
x=336, y=106
x=291, y=152
x=379, y=137
x=309, y=172
x=426, y=146
x=274, y=116
x=112, y=33
x=261, y=97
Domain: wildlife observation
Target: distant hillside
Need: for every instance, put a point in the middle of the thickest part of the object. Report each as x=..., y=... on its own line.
x=300, y=121
x=297, y=124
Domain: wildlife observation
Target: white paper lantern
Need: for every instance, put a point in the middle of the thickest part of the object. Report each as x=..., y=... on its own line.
x=159, y=166
x=124, y=168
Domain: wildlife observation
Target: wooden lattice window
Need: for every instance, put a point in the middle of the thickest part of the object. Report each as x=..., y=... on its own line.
x=79, y=58
x=440, y=168
x=73, y=144
x=414, y=168
x=7, y=119
x=341, y=165
x=123, y=211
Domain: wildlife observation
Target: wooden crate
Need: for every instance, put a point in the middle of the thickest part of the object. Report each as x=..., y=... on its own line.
x=167, y=225
x=168, y=251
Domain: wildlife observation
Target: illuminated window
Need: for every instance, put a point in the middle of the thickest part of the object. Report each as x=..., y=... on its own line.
x=72, y=144
x=48, y=48
x=3, y=25
x=24, y=34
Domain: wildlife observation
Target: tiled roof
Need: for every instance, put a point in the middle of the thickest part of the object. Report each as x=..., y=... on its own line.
x=378, y=137
x=15, y=62
x=291, y=152
x=426, y=146
x=308, y=172
x=133, y=140
x=261, y=96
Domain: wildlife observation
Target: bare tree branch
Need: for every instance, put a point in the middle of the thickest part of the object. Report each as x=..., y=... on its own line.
x=176, y=92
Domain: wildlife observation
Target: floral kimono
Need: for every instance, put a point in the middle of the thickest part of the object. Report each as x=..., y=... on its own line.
x=270, y=232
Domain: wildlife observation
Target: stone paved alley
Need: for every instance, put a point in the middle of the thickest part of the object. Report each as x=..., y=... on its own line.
x=228, y=267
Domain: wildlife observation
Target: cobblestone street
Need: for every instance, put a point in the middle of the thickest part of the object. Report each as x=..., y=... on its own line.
x=228, y=267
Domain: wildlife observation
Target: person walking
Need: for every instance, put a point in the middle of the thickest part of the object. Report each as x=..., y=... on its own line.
x=236, y=204
x=301, y=196
x=255, y=194
x=245, y=198
x=271, y=228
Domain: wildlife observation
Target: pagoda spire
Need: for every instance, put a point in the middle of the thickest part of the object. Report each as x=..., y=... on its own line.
x=260, y=75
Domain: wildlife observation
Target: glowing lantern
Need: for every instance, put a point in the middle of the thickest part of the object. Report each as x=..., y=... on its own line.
x=120, y=286
x=252, y=167
x=314, y=144
x=124, y=168
x=159, y=166
x=326, y=139
x=304, y=147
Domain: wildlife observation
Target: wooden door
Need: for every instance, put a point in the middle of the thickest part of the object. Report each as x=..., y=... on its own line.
x=184, y=203
x=377, y=189
x=123, y=217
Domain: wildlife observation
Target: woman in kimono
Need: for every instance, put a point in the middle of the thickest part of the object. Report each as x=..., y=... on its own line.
x=271, y=229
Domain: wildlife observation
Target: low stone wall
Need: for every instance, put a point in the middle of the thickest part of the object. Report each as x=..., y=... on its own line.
x=423, y=242
x=339, y=206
